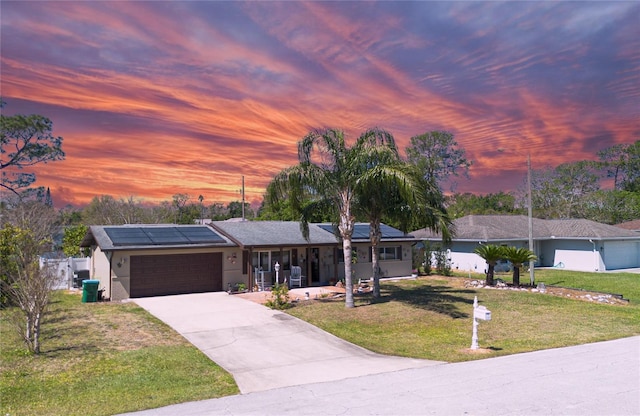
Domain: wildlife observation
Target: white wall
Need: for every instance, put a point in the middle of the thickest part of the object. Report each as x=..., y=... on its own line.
x=65, y=268
x=363, y=269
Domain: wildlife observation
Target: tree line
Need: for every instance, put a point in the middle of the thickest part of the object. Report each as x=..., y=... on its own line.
x=334, y=181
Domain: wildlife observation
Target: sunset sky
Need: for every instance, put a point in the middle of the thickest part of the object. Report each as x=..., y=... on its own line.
x=158, y=98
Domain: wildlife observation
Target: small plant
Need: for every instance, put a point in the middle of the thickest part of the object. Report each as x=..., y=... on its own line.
x=279, y=297
x=422, y=259
x=443, y=264
x=241, y=287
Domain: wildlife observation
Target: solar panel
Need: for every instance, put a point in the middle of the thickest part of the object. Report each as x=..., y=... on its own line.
x=361, y=231
x=165, y=235
x=327, y=227
x=198, y=235
x=152, y=236
x=390, y=232
x=127, y=236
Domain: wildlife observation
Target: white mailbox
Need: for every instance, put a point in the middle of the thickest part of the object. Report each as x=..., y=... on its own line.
x=482, y=313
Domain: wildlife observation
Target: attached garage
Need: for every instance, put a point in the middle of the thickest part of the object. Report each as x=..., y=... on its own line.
x=143, y=260
x=621, y=254
x=175, y=274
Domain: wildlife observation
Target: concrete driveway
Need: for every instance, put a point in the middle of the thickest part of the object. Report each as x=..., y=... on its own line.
x=587, y=380
x=265, y=349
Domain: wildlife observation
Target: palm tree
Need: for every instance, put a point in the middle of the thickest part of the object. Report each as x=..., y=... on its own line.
x=518, y=256
x=491, y=254
x=331, y=173
x=395, y=190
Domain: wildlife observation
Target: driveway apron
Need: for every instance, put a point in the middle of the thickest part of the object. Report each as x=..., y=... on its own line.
x=266, y=349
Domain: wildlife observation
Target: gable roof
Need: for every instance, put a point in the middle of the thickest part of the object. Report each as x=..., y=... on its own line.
x=516, y=227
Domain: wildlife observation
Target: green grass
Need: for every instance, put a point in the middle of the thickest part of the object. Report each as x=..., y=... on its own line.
x=431, y=317
x=102, y=359
x=626, y=284
x=107, y=358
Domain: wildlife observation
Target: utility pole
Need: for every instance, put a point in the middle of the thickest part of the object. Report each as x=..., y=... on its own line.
x=530, y=218
x=242, y=197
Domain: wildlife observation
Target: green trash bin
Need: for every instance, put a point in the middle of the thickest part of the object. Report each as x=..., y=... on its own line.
x=90, y=290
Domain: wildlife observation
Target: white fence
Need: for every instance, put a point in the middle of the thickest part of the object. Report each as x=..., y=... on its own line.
x=66, y=269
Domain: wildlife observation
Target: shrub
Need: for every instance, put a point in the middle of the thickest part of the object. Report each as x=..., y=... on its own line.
x=279, y=297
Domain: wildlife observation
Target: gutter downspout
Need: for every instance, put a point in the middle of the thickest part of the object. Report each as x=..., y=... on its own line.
x=109, y=255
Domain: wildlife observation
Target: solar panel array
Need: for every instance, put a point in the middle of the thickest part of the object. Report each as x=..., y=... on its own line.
x=361, y=231
x=153, y=236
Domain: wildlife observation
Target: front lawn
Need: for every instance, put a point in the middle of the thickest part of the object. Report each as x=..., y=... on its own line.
x=103, y=359
x=431, y=317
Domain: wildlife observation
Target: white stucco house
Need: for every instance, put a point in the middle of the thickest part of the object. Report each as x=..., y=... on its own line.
x=572, y=244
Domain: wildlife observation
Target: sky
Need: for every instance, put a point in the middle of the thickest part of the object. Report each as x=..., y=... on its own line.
x=158, y=98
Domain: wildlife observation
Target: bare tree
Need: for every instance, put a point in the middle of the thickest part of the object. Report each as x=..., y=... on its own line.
x=23, y=238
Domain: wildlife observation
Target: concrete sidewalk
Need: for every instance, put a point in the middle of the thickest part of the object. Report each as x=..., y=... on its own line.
x=266, y=349
x=593, y=379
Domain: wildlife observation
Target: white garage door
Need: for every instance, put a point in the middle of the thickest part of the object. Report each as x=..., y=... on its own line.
x=621, y=254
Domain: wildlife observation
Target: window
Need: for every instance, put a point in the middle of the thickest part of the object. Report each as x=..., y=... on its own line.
x=390, y=253
x=267, y=259
x=261, y=259
x=340, y=254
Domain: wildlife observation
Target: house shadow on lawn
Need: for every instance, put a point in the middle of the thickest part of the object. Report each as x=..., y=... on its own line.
x=439, y=299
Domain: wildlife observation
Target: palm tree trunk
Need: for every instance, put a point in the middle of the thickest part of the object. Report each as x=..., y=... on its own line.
x=516, y=275
x=346, y=232
x=348, y=280
x=375, y=240
x=490, y=275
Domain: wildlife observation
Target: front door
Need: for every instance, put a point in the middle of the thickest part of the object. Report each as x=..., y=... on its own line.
x=314, y=263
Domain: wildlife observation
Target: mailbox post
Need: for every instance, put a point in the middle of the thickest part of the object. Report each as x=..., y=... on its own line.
x=482, y=313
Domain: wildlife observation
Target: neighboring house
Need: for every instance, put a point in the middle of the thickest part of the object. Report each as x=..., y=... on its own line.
x=149, y=260
x=630, y=225
x=574, y=244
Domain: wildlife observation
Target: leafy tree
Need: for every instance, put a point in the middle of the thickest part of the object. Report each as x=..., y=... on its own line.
x=393, y=189
x=517, y=256
x=218, y=212
x=438, y=156
x=102, y=210
x=179, y=203
x=282, y=210
x=72, y=238
x=611, y=206
x=234, y=210
x=459, y=205
x=69, y=215
x=491, y=254
x=330, y=172
x=622, y=163
x=25, y=141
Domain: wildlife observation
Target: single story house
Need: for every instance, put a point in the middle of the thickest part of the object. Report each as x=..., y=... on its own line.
x=149, y=260
x=573, y=244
